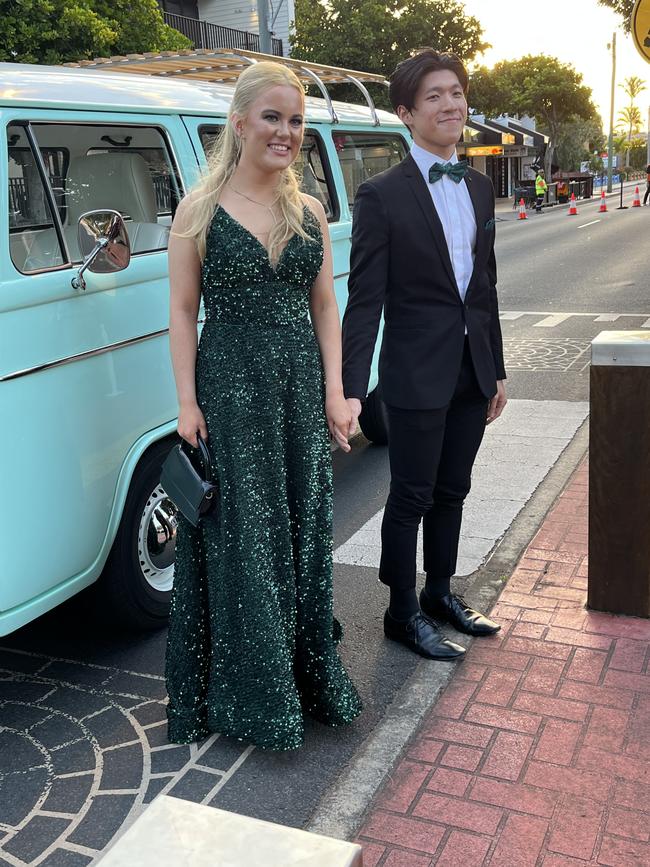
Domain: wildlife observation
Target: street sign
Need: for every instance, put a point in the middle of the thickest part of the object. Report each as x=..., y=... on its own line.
x=486, y=151
x=640, y=27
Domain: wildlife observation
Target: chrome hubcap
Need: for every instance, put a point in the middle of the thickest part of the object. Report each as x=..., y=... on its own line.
x=157, y=540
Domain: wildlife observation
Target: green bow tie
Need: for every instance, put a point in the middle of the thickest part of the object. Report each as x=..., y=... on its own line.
x=456, y=171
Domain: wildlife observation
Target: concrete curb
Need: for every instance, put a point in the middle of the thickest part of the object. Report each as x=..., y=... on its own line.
x=342, y=809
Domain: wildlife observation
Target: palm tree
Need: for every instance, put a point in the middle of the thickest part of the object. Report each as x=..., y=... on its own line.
x=633, y=87
x=630, y=116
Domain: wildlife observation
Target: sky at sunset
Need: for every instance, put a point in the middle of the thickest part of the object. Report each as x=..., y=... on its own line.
x=575, y=31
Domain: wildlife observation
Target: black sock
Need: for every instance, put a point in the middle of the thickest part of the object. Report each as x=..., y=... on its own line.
x=435, y=586
x=403, y=603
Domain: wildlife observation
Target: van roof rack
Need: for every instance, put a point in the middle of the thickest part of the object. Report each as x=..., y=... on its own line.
x=225, y=64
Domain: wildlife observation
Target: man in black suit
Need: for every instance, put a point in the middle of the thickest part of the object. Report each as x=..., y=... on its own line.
x=423, y=252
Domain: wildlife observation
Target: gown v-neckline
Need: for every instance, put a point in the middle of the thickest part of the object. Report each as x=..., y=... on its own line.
x=258, y=242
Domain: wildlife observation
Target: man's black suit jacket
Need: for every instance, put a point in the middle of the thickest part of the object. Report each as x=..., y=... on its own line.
x=400, y=263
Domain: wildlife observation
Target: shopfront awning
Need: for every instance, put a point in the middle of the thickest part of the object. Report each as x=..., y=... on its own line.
x=538, y=138
x=500, y=127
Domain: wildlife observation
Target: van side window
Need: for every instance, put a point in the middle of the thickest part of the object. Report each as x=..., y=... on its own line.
x=33, y=241
x=363, y=155
x=122, y=168
x=311, y=166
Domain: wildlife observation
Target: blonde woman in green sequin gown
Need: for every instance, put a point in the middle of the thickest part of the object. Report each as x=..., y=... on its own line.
x=252, y=638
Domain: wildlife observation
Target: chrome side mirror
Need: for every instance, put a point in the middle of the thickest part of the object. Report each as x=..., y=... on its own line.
x=104, y=244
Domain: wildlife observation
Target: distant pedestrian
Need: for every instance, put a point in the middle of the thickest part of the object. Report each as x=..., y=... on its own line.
x=647, y=184
x=540, y=190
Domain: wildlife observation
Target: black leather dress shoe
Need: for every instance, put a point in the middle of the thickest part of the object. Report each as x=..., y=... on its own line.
x=422, y=635
x=454, y=610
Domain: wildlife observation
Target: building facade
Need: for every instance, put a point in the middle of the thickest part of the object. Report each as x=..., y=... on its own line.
x=230, y=23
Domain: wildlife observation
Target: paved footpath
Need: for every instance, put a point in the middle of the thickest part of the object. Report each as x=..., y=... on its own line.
x=537, y=754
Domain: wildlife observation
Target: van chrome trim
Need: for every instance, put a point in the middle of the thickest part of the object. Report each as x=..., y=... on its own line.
x=120, y=344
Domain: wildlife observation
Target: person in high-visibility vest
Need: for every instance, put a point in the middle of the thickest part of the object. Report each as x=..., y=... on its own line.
x=540, y=190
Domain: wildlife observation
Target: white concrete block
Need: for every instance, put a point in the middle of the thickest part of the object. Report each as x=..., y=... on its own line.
x=171, y=832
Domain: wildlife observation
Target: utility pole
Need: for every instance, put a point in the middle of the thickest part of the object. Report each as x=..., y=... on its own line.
x=610, y=141
x=263, y=19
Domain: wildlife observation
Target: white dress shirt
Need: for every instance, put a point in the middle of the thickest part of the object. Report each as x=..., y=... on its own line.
x=456, y=212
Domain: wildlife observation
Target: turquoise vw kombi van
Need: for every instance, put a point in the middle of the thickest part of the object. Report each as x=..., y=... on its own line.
x=87, y=398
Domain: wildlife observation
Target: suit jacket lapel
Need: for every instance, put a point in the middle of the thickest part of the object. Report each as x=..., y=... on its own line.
x=480, y=215
x=421, y=192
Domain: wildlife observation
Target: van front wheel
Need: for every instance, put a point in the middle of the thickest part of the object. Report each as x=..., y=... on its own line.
x=373, y=420
x=135, y=586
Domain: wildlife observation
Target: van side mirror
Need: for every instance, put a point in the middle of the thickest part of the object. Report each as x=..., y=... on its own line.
x=104, y=244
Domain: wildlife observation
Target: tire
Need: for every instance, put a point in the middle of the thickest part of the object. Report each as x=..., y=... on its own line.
x=373, y=420
x=134, y=590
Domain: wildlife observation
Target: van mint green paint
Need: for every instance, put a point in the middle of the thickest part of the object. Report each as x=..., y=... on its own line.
x=72, y=435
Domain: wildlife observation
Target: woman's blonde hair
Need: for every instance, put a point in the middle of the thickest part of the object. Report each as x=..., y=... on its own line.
x=224, y=158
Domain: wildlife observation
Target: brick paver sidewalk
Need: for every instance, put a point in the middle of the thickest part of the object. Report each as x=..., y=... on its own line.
x=538, y=751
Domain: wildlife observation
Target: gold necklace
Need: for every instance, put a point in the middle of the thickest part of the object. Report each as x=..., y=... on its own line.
x=269, y=208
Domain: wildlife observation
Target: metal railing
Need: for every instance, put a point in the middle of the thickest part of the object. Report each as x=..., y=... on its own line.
x=204, y=34
x=18, y=197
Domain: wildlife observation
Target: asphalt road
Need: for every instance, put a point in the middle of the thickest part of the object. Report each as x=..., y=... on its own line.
x=82, y=735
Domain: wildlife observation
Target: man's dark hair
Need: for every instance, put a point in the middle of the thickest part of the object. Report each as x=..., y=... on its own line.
x=408, y=74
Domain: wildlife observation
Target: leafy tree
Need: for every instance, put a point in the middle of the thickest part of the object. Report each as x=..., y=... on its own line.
x=623, y=8
x=542, y=87
x=577, y=142
x=374, y=35
x=57, y=31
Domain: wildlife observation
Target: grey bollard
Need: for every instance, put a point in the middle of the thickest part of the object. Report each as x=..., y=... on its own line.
x=619, y=473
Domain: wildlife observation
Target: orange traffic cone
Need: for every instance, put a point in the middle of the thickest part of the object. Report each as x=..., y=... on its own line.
x=573, y=208
x=637, y=198
x=603, y=202
x=522, y=210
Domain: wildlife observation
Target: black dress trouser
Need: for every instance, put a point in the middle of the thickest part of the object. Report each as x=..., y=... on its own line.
x=431, y=453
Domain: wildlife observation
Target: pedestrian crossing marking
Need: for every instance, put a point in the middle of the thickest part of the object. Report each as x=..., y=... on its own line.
x=511, y=315
x=552, y=321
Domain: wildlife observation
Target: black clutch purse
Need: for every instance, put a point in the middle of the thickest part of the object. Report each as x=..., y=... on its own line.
x=193, y=493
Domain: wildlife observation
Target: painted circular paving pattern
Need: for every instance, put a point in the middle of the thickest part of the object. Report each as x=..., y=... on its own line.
x=82, y=749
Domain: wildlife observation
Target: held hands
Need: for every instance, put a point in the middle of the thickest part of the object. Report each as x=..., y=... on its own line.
x=355, y=406
x=497, y=403
x=190, y=420
x=340, y=420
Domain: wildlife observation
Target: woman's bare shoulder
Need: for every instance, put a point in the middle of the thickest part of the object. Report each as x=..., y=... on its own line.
x=314, y=205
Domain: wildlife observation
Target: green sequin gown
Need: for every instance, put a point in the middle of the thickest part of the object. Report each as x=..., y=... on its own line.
x=252, y=639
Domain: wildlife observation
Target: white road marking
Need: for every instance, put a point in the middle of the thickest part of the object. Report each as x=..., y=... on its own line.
x=584, y=225
x=517, y=453
x=607, y=317
x=515, y=314
x=552, y=321
x=646, y=324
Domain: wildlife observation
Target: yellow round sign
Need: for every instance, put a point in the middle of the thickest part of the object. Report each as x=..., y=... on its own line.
x=641, y=28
